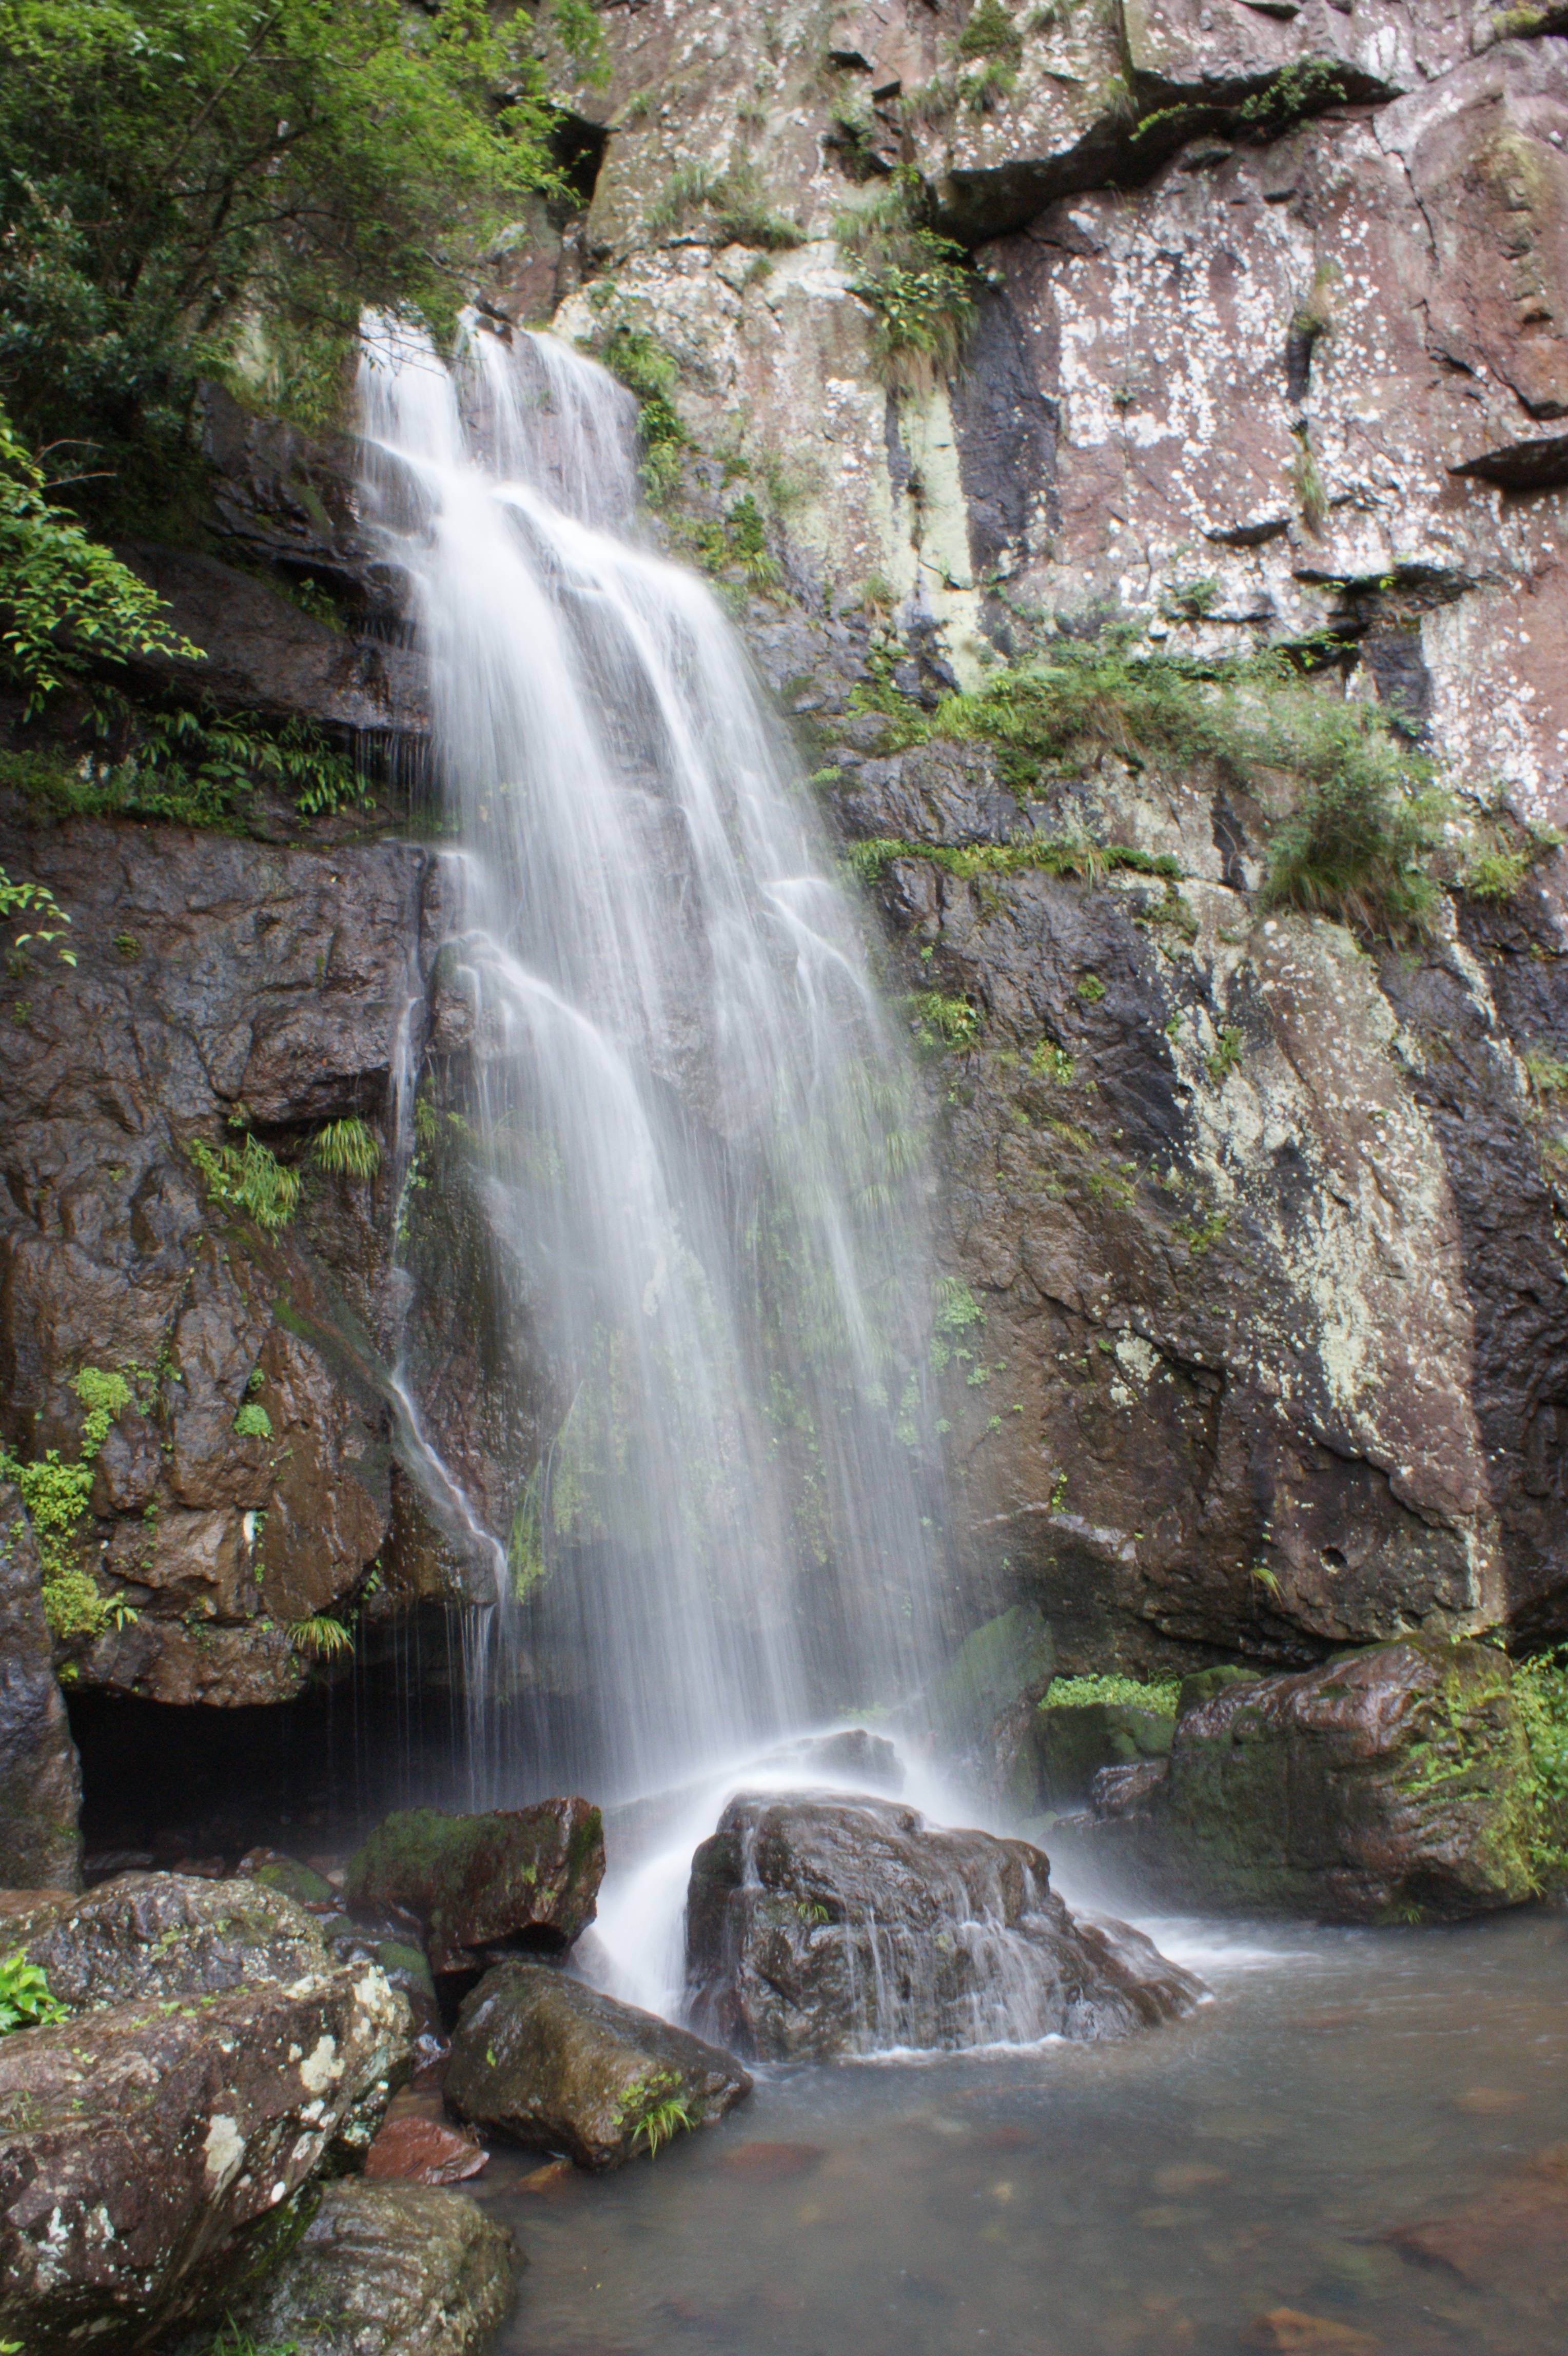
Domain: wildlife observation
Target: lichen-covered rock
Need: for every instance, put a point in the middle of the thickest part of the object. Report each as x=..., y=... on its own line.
x=147, y=1936
x=819, y=1925
x=139, y=2143
x=1392, y=1785
x=549, y=2063
x=385, y=2270
x=41, y=1779
x=517, y=1877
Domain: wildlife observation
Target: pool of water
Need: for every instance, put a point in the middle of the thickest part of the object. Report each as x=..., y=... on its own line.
x=1162, y=2195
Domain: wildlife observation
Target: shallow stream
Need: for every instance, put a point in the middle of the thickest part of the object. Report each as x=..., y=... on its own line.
x=1160, y=2195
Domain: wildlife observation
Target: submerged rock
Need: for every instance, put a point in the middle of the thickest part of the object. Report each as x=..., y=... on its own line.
x=1393, y=1784
x=412, y=2147
x=819, y=1925
x=384, y=2270
x=150, y=1935
x=40, y=1780
x=521, y=1876
x=550, y=2063
x=143, y=2147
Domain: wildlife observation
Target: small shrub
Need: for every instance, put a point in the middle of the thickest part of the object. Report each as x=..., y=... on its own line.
x=1354, y=846
x=248, y=1178
x=24, y=1998
x=922, y=297
x=350, y=1149
x=252, y=1422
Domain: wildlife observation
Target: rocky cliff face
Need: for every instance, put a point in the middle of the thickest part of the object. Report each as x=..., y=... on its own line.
x=1257, y=1339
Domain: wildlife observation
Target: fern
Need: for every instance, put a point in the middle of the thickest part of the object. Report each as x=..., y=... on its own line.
x=321, y=1638
x=250, y=1179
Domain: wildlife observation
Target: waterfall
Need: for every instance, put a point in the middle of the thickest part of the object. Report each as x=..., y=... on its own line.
x=691, y=1136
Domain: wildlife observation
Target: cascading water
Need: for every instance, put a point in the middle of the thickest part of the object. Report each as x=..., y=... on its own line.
x=691, y=1130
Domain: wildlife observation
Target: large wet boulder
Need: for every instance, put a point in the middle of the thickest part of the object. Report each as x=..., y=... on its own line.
x=384, y=2270
x=144, y=2146
x=40, y=1780
x=520, y=1877
x=820, y=1924
x=150, y=1935
x=549, y=2063
x=1390, y=1786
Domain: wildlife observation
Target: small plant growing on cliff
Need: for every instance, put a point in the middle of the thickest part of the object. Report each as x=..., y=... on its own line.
x=350, y=1149
x=47, y=925
x=1356, y=843
x=321, y=1638
x=942, y=1023
x=56, y=1496
x=1118, y=1692
x=1227, y=1056
x=252, y=1422
x=921, y=298
x=248, y=1178
x=649, y=372
x=24, y=1998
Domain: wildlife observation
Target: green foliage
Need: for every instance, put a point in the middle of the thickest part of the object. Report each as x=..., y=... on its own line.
x=321, y=1638
x=191, y=767
x=920, y=293
x=1364, y=818
x=248, y=1178
x=738, y=541
x=232, y=2341
x=56, y=1496
x=62, y=596
x=1540, y=1699
x=940, y=1023
x=649, y=372
x=1304, y=86
x=1157, y=1695
x=24, y=1998
x=1364, y=823
x=253, y=1422
x=48, y=920
x=258, y=171
x=654, y=2110
x=1092, y=861
x=1548, y=1074
x=1227, y=1056
x=348, y=1148
x=990, y=32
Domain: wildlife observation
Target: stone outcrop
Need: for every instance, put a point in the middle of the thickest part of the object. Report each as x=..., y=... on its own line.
x=41, y=1779
x=521, y=1877
x=144, y=2146
x=818, y=1925
x=385, y=2270
x=549, y=2062
x=149, y=1937
x=1388, y=1786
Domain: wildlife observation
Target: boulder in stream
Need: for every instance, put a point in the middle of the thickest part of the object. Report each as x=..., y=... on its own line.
x=148, y=2148
x=517, y=1877
x=820, y=1924
x=384, y=2270
x=1388, y=1786
x=547, y=2061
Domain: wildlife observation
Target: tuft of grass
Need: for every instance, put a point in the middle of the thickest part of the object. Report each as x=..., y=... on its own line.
x=729, y=204
x=915, y=282
x=350, y=1149
x=320, y=1638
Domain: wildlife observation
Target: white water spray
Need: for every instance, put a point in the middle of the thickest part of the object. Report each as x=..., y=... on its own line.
x=690, y=1130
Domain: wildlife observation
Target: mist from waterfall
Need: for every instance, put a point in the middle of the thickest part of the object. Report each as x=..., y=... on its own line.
x=691, y=1130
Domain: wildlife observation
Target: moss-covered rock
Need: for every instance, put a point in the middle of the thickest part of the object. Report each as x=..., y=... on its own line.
x=545, y=2061
x=1393, y=1785
x=1074, y=1740
x=521, y=1877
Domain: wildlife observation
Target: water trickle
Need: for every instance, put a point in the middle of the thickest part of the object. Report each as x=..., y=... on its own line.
x=691, y=1134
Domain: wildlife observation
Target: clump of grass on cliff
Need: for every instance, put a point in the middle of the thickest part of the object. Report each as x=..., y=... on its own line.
x=1356, y=820
x=915, y=282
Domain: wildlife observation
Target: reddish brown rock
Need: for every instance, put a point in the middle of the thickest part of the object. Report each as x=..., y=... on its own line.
x=412, y=2150
x=1512, y=2240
